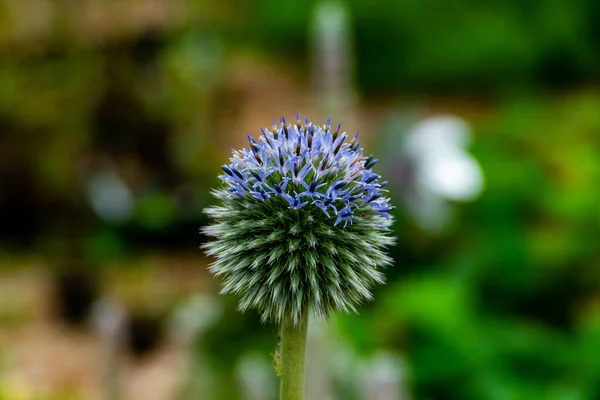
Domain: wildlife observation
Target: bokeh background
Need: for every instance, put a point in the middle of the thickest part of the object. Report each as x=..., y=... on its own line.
x=116, y=115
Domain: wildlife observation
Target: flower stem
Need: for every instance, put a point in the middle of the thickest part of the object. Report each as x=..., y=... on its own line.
x=293, y=358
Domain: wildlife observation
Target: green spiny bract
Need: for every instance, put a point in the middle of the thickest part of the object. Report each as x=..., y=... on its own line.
x=302, y=224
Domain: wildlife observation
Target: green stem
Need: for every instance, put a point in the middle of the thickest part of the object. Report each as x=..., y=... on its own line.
x=293, y=358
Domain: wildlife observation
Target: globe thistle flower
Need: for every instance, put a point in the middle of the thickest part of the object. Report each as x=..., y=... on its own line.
x=302, y=225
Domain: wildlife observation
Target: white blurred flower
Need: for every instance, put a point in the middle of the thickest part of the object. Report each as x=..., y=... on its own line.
x=435, y=168
x=109, y=196
x=109, y=318
x=438, y=146
x=194, y=317
x=385, y=376
x=256, y=378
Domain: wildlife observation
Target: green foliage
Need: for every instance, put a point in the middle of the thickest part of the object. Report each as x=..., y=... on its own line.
x=437, y=46
x=511, y=311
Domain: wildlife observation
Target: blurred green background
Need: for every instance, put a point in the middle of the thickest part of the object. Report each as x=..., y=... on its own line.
x=115, y=117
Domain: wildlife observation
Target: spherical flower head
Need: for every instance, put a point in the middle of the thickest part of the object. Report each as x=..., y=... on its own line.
x=303, y=223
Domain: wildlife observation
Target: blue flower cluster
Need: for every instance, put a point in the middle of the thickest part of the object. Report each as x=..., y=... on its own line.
x=308, y=164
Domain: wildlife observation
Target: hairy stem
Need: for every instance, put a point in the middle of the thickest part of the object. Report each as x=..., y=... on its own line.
x=293, y=358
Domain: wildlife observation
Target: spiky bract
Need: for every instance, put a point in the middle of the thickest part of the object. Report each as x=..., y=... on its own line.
x=303, y=223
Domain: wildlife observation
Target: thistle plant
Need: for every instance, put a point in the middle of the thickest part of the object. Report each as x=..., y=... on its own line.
x=301, y=228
